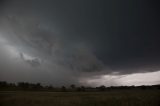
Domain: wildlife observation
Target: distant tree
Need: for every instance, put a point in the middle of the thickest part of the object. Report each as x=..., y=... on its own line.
x=132, y=87
x=157, y=86
x=143, y=87
x=102, y=88
x=23, y=85
x=73, y=86
x=3, y=84
x=12, y=85
x=50, y=87
x=29, y=86
x=38, y=86
x=82, y=88
x=63, y=89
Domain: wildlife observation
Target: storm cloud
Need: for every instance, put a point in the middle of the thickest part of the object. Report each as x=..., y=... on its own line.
x=64, y=42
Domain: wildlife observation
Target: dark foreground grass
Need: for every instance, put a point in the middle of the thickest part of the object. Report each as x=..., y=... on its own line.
x=109, y=98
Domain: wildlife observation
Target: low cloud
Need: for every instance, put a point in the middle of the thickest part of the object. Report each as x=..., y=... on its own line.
x=33, y=61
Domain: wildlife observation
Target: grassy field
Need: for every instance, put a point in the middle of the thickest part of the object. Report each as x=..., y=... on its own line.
x=110, y=98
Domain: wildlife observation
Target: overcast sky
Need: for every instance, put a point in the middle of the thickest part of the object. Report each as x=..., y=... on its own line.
x=85, y=42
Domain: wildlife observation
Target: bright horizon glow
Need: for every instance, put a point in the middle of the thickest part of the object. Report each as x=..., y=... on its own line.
x=149, y=78
x=137, y=79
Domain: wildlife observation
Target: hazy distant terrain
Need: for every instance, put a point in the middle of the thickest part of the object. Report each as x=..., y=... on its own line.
x=109, y=98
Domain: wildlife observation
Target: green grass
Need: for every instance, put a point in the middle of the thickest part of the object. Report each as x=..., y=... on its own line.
x=112, y=98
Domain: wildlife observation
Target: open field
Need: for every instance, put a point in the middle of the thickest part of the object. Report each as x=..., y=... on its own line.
x=109, y=98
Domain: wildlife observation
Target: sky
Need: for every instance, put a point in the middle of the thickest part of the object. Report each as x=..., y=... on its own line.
x=82, y=42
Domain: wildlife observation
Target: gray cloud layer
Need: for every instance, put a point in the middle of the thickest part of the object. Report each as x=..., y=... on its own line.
x=62, y=41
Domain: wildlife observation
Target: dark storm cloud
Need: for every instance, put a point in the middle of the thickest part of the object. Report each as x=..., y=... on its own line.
x=82, y=37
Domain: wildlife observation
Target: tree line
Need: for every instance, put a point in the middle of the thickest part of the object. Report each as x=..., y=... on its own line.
x=26, y=86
